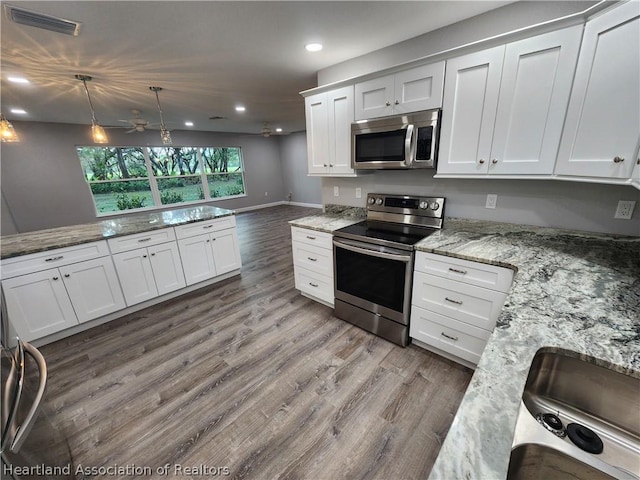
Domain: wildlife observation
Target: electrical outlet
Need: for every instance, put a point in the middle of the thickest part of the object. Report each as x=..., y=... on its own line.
x=336, y=191
x=492, y=200
x=358, y=192
x=266, y=194
x=625, y=209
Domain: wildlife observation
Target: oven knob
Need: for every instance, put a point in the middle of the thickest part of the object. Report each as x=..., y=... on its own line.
x=424, y=205
x=435, y=206
x=371, y=201
x=378, y=201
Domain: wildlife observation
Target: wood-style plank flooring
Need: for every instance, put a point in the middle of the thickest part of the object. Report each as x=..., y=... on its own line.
x=250, y=375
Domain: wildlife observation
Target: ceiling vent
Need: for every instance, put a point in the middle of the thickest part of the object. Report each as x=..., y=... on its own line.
x=40, y=20
x=217, y=117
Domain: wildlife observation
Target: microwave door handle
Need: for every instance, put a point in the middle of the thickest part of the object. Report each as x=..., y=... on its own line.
x=409, y=145
x=25, y=428
x=373, y=253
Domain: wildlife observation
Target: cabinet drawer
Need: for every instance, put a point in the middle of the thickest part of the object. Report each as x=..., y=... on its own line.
x=316, y=259
x=37, y=262
x=138, y=240
x=457, y=338
x=208, y=226
x=314, y=284
x=311, y=237
x=473, y=305
x=473, y=273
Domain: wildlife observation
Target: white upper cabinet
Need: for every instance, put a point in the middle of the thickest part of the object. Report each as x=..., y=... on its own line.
x=602, y=129
x=411, y=90
x=504, y=107
x=329, y=116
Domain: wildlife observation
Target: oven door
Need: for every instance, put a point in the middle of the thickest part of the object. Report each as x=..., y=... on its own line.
x=374, y=278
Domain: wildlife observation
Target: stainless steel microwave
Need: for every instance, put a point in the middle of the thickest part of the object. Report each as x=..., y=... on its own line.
x=398, y=142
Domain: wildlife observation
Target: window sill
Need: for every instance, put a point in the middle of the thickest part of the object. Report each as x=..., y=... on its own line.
x=169, y=206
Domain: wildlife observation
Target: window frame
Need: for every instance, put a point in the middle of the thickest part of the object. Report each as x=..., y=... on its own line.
x=153, y=184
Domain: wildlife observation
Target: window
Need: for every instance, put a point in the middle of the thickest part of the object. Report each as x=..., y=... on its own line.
x=133, y=178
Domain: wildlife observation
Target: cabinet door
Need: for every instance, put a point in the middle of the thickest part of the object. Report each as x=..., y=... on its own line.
x=197, y=258
x=136, y=277
x=316, y=113
x=167, y=268
x=374, y=98
x=418, y=89
x=471, y=87
x=226, y=252
x=603, y=119
x=93, y=288
x=38, y=304
x=534, y=93
x=340, y=107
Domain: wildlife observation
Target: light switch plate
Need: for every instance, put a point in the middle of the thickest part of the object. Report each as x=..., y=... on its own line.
x=358, y=192
x=336, y=191
x=492, y=200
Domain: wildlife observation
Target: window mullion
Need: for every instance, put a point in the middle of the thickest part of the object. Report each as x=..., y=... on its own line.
x=152, y=178
x=203, y=176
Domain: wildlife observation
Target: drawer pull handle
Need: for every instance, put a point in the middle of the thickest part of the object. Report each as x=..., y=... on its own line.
x=53, y=259
x=457, y=302
x=455, y=339
x=207, y=226
x=312, y=259
x=142, y=240
x=314, y=285
x=310, y=237
x=463, y=272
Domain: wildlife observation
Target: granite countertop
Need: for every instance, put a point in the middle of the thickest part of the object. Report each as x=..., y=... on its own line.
x=333, y=218
x=43, y=240
x=574, y=291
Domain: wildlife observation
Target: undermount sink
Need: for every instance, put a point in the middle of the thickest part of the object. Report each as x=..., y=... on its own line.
x=592, y=421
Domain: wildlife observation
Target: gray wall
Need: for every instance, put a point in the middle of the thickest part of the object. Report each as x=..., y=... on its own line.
x=43, y=185
x=501, y=20
x=303, y=189
x=549, y=203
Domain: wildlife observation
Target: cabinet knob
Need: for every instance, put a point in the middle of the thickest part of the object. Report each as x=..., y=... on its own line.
x=56, y=278
x=144, y=256
x=66, y=275
x=638, y=161
x=331, y=164
x=388, y=104
x=481, y=161
x=618, y=159
x=153, y=254
x=208, y=240
x=494, y=161
x=397, y=102
x=325, y=165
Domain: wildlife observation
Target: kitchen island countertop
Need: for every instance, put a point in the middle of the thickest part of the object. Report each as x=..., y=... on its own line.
x=572, y=291
x=49, y=239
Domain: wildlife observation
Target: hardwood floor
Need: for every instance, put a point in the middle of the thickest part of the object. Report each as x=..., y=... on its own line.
x=250, y=375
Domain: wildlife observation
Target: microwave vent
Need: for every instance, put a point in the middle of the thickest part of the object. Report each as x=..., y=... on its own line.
x=41, y=20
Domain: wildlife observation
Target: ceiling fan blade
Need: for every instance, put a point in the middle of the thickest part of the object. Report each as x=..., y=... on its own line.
x=125, y=121
x=130, y=131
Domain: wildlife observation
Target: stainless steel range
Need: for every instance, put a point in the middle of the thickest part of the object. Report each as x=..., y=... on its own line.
x=373, y=262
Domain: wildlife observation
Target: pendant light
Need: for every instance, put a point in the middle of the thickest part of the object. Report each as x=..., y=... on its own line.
x=97, y=132
x=164, y=133
x=7, y=132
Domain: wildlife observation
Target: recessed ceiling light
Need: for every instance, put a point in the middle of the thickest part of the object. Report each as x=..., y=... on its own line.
x=18, y=111
x=240, y=108
x=18, y=80
x=313, y=47
x=188, y=124
x=278, y=130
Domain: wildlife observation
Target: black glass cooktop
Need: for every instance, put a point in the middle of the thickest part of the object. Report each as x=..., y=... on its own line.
x=385, y=233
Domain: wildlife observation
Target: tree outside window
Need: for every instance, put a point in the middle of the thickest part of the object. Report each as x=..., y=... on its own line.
x=134, y=178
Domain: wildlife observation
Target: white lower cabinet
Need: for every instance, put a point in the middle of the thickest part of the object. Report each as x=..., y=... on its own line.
x=146, y=273
x=40, y=302
x=207, y=255
x=453, y=312
x=313, y=264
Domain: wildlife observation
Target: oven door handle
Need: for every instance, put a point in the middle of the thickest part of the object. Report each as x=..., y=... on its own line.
x=355, y=247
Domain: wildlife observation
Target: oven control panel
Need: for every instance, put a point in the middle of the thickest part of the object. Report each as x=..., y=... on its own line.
x=406, y=205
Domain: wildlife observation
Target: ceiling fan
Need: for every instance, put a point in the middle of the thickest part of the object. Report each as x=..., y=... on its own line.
x=267, y=131
x=137, y=124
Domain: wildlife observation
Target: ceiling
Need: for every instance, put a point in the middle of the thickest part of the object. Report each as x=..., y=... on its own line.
x=208, y=56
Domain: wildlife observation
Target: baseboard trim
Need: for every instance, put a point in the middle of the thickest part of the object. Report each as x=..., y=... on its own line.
x=275, y=204
x=300, y=204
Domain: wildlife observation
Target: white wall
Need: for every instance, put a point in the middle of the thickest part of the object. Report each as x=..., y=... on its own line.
x=549, y=203
x=43, y=184
x=293, y=154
